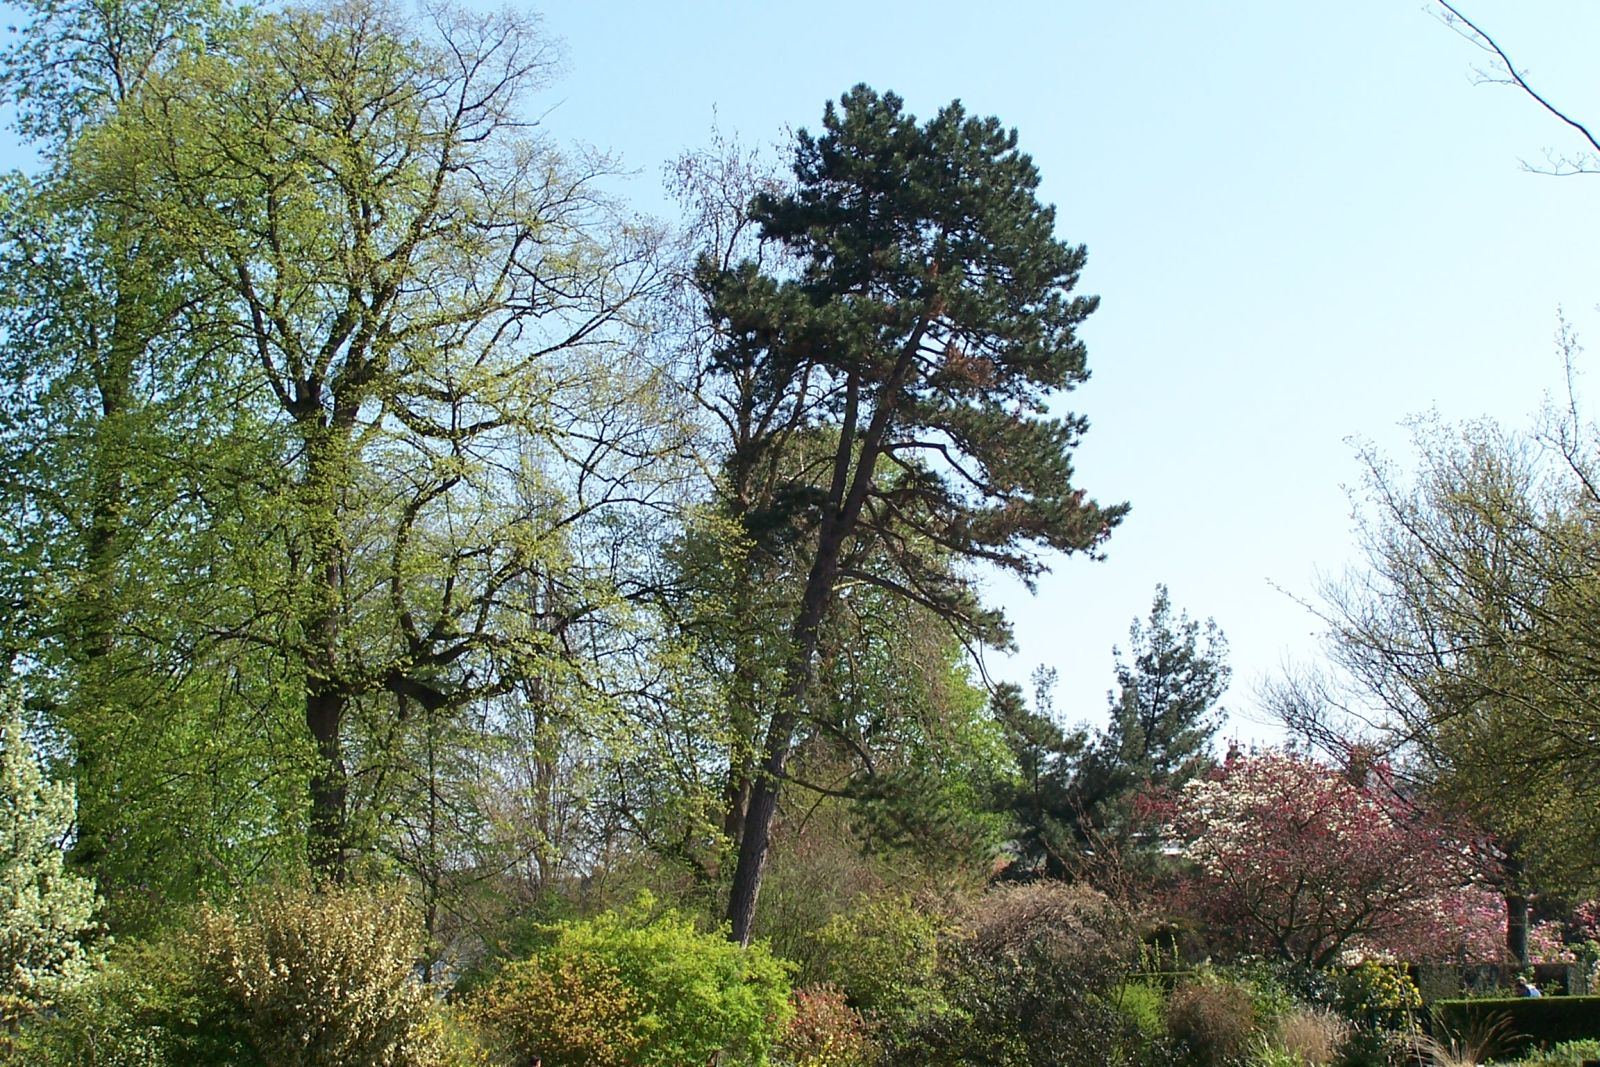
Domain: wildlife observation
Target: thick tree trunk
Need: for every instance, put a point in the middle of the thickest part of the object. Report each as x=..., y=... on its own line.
x=326, y=839
x=99, y=612
x=756, y=834
x=1517, y=927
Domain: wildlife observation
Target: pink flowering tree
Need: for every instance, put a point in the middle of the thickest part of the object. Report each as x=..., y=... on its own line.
x=1304, y=862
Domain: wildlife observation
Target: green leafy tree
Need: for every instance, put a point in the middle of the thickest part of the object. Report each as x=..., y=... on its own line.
x=47, y=924
x=1470, y=628
x=423, y=291
x=125, y=425
x=924, y=323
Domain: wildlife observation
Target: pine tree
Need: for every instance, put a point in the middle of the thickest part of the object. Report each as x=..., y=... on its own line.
x=1164, y=715
x=926, y=321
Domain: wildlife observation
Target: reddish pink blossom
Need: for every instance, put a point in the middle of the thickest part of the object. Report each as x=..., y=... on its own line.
x=1305, y=862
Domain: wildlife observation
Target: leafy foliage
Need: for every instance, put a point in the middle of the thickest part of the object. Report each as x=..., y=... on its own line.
x=1471, y=625
x=568, y=1010
x=664, y=994
x=883, y=954
x=1029, y=982
x=825, y=1032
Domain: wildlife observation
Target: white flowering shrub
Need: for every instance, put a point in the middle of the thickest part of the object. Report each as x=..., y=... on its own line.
x=47, y=922
x=322, y=978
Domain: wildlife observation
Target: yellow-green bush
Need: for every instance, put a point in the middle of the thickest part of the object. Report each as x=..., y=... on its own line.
x=568, y=1009
x=883, y=955
x=642, y=989
x=1379, y=994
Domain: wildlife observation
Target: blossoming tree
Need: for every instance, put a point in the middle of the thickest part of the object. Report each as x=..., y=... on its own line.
x=1304, y=862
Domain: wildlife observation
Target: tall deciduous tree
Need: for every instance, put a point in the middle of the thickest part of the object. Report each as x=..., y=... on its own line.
x=424, y=291
x=1469, y=637
x=925, y=323
x=123, y=424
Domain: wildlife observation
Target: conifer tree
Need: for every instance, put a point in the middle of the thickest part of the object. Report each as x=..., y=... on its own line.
x=46, y=911
x=926, y=322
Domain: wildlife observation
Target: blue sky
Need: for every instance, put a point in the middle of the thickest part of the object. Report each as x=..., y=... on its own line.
x=1306, y=223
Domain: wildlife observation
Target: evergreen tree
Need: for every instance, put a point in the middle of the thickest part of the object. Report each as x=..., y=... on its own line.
x=1041, y=799
x=925, y=322
x=1164, y=712
x=46, y=911
x=1164, y=715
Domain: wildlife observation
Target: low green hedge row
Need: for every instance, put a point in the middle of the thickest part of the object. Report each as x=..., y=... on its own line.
x=1531, y=1022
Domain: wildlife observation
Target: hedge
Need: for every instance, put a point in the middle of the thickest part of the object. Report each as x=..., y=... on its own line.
x=1532, y=1022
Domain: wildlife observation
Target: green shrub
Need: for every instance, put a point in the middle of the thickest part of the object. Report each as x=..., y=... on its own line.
x=1143, y=1005
x=1213, y=1019
x=655, y=991
x=825, y=1032
x=571, y=1009
x=142, y=1009
x=1029, y=983
x=1566, y=1054
x=319, y=977
x=1531, y=1021
x=884, y=956
x=1379, y=995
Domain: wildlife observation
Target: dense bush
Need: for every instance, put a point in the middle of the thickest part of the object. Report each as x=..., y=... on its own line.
x=143, y=1008
x=1029, y=982
x=1379, y=995
x=569, y=1009
x=1212, y=1019
x=826, y=1032
x=883, y=955
x=642, y=989
x=320, y=977
x=1144, y=1007
x=296, y=977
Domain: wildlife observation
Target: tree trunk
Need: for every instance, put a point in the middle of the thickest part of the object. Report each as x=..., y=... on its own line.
x=327, y=840
x=756, y=835
x=326, y=837
x=99, y=612
x=1517, y=927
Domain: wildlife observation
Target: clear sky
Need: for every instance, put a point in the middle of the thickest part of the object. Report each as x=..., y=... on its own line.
x=1305, y=222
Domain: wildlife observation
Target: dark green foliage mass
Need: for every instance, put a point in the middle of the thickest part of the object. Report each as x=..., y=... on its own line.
x=1072, y=802
x=1164, y=711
